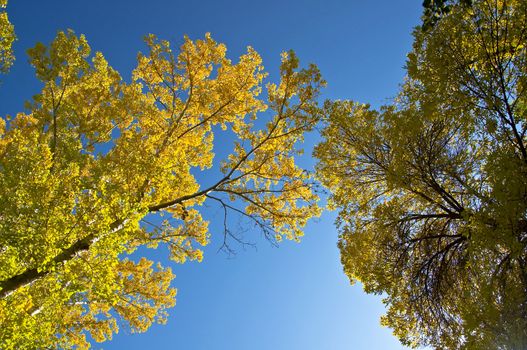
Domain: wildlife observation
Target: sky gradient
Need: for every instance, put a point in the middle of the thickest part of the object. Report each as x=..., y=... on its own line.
x=294, y=296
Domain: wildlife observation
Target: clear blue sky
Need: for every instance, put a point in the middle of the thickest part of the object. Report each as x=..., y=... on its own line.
x=295, y=296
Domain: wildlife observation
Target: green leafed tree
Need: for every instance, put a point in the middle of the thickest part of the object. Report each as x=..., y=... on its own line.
x=432, y=188
x=433, y=10
x=86, y=172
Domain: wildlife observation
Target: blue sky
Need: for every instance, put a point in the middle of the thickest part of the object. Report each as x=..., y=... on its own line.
x=294, y=296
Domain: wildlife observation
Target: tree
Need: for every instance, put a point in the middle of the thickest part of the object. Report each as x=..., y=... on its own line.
x=432, y=188
x=7, y=37
x=433, y=10
x=87, y=171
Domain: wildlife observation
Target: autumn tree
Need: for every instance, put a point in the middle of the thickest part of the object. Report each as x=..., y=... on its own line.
x=433, y=10
x=7, y=37
x=432, y=188
x=85, y=173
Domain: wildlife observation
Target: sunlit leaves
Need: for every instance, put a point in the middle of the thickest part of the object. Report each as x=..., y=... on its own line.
x=7, y=37
x=87, y=171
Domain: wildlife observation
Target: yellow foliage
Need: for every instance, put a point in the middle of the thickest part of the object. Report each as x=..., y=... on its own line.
x=87, y=171
x=7, y=37
x=432, y=189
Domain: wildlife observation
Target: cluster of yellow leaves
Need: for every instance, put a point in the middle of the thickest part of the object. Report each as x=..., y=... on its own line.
x=431, y=189
x=7, y=37
x=85, y=174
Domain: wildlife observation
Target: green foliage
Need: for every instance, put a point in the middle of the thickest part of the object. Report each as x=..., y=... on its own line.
x=432, y=189
x=433, y=10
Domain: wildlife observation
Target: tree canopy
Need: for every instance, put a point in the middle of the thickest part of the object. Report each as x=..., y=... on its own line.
x=86, y=172
x=433, y=10
x=7, y=37
x=432, y=188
